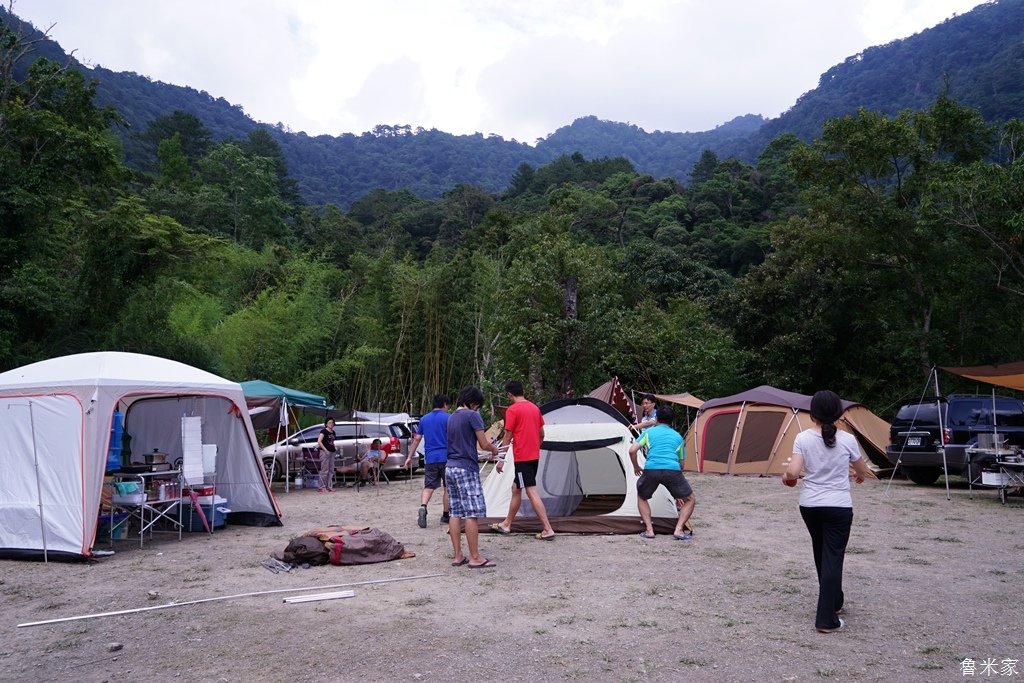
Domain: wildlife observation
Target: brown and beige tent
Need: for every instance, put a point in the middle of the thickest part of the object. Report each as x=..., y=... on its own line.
x=752, y=432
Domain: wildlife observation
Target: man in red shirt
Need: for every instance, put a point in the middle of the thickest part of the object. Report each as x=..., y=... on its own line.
x=524, y=427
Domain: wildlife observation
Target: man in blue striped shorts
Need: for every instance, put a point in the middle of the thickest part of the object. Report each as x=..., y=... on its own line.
x=462, y=476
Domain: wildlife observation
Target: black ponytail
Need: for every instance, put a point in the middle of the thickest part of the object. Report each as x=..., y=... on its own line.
x=828, y=433
x=826, y=408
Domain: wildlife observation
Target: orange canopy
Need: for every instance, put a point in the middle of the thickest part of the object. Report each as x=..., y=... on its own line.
x=1009, y=375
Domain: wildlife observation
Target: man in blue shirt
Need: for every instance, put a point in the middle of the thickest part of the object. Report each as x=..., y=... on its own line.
x=434, y=432
x=663, y=466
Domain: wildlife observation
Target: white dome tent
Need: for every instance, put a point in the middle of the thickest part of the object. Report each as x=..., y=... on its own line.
x=55, y=432
x=586, y=479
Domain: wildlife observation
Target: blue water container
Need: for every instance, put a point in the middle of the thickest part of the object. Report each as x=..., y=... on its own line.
x=116, y=432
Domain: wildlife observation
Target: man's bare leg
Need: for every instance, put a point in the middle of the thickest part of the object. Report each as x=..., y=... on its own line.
x=538, y=507
x=472, y=538
x=455, y=534
x=685, y=510
x=645, y=513
x=513, y=508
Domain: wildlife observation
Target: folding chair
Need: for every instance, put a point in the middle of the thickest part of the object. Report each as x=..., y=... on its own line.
x=376, y=471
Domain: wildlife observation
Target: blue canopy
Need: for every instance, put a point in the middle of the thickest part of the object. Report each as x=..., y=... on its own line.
x=294, y=397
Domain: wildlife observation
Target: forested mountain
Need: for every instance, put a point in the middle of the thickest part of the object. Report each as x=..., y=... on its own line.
x=854, y=260
x=978, y=56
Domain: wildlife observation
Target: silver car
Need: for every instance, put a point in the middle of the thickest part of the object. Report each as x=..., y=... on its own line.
x=352, y=439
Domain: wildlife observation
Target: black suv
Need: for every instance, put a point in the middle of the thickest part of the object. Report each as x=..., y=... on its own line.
x=916, y=444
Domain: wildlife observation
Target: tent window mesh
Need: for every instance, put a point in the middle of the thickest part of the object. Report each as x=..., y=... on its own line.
x=583, y=482
x=760, y=430
x=718, y=436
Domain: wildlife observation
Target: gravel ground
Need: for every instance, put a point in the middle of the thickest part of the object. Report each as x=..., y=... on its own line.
x=929, y=582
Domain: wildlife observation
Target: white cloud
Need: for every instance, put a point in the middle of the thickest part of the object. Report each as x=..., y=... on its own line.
x=519, y=69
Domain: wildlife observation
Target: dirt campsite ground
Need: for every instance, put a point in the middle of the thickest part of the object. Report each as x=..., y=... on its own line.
x=929, y=583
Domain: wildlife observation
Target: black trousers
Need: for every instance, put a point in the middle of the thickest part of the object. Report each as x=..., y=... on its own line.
x=830, y=531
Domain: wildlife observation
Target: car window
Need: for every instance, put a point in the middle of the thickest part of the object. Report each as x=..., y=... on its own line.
x=917, y=413
x=969, y=413
x=1009, y=413
x=310, y=433
x=400, y=430
x=372, y=429
x=347, y=431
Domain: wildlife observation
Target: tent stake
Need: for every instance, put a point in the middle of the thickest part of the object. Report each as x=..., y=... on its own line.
x=224, y=597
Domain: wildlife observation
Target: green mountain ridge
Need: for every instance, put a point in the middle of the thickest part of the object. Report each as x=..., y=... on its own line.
x=977, y=58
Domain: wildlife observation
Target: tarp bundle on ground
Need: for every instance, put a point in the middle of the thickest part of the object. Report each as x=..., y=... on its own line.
x=55, y=433
x=752, y=432
x=585, y=479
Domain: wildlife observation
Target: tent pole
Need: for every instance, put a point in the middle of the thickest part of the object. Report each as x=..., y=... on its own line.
x=942, y=429
x=39, y=489
x=287, y=435
x=225, y=597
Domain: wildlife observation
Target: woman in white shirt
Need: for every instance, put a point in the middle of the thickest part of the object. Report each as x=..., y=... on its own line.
x=825, y=455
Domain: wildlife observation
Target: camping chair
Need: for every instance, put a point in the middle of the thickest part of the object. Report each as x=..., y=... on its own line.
x=375, y=472
x=308, y=465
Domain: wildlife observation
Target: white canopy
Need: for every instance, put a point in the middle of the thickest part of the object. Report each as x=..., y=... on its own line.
x=55, y=432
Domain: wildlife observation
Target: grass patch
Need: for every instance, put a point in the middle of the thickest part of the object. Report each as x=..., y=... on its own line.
x=63, y=644
x=900, y=547
x=997, y=572
x=419, y=602
x=827, y=673
x=696, y=661
x=929, y=649
x=917, y=560
x=857, y=550
x=566, y=620
x=947, y=539
x=928, y=666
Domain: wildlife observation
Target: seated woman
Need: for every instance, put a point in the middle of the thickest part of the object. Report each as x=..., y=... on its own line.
x=373, y=457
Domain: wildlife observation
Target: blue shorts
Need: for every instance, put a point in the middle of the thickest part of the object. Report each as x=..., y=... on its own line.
x=465, y=495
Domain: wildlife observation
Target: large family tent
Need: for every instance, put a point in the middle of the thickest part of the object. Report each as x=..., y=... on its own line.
x=55, y=432
x=585, y=478
x=752, y=432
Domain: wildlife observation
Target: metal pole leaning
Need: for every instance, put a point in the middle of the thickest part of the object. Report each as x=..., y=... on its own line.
x=224, y=597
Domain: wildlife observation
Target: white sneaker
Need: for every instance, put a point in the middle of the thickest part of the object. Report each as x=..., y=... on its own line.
x=842, y=623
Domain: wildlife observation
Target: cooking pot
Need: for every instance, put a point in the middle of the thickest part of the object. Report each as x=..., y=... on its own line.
x=155, y=458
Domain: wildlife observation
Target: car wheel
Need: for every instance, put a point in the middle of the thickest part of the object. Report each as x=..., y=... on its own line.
x=271, y=468
x=922, y=476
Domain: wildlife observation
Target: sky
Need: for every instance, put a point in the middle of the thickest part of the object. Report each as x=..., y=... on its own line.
x=516, y=68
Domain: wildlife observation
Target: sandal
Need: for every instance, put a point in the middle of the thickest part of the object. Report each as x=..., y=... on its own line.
x=644, y=534
x=500, y=529
x=486, y=564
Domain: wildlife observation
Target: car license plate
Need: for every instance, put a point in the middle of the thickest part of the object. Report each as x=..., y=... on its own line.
x=914, y=441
